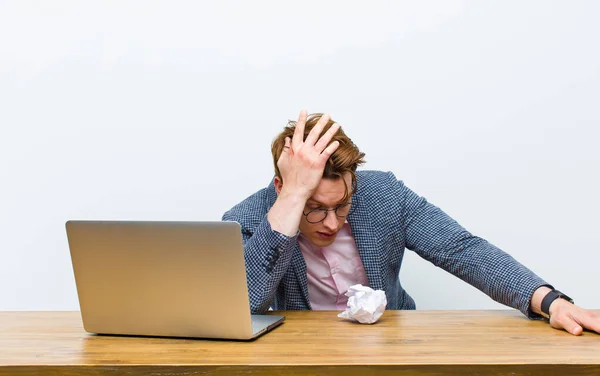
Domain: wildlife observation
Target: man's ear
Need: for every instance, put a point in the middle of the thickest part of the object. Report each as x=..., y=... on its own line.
x=278, y=184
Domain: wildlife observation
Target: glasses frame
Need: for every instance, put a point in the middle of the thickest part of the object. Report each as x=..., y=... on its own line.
x=326, y=212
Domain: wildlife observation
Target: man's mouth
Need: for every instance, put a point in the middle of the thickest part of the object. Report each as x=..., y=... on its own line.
x=326, y=235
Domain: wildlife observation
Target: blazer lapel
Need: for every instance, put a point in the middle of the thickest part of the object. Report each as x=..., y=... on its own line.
x=366, y=240
x=299, y=266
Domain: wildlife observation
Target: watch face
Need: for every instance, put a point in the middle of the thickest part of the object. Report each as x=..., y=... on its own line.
x=563, y=296
x=567, y=298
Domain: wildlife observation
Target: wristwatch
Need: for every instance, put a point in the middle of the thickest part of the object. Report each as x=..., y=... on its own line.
x=549, y=298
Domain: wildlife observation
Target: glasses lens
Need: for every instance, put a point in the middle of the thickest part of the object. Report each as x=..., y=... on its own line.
x=343, y=210
x=316, y=216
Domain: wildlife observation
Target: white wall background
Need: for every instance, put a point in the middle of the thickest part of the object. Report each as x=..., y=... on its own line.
x=166, y=110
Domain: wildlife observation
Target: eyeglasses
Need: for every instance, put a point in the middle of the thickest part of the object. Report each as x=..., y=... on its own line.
x=319, y=214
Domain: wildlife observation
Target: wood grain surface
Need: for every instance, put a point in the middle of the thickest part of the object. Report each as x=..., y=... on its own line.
x=494, y=342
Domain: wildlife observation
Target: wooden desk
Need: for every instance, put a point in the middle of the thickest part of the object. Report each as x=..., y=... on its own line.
x=401, y=343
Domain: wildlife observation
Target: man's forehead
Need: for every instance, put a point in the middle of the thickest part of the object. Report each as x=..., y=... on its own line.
x=331, y=192
x=327, y=202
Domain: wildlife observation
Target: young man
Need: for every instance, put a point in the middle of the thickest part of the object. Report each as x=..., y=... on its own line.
x=322, y=226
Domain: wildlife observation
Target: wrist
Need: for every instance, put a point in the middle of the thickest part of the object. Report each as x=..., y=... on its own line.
x=538, y=296
x=296, y=195
x=286, y=213
x=555, y=306
x=553, y=301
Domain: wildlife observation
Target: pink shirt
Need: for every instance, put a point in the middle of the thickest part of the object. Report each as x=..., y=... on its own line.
x=332, y=270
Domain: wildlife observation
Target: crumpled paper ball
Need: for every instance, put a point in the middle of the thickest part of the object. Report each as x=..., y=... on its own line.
x=365, y=305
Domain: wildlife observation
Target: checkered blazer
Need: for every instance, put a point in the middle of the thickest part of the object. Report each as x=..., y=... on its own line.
x=387, y=217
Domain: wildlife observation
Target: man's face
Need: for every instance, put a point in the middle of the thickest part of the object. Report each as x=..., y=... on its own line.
x=329, y=194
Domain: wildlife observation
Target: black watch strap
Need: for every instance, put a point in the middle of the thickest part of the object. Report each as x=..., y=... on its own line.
x=549, y=298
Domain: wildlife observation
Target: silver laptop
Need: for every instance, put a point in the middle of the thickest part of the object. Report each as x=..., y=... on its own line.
x=171, y=279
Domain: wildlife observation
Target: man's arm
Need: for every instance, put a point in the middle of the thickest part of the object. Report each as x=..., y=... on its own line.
x=438, y=238
x=285, y=214
x=267, y=255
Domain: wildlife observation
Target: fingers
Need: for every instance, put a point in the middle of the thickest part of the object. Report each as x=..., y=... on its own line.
x=298, y=137
x=285, y=152
x=328, y=151
x=564, y=320
x=314, y=134
x=574, y=319
x=573, y=328
x=321, y=143
x=326, y=138
x=589, y=320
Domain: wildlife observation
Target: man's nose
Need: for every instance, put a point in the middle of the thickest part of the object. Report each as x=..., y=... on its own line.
x=331, y=221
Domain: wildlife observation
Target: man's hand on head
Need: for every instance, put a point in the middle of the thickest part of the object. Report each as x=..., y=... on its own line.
x=301, y=165
x=302, y=162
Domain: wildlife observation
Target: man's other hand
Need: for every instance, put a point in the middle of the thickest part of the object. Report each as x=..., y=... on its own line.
x=565, y=315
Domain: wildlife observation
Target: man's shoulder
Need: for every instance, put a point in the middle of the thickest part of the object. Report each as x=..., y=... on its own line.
x=374, y=175
x=369, y=181
x=383, y=195
x=251, y=211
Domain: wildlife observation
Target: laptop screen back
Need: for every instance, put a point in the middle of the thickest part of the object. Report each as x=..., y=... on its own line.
x=184, y=279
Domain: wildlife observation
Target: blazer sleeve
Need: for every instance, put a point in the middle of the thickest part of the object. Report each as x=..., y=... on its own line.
x=268, y=256
x=436, y=237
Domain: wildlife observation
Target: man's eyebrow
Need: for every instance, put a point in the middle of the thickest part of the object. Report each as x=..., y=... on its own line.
x=313, y=201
